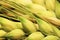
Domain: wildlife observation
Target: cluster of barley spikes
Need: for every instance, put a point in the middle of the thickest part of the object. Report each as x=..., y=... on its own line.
x=29, y=19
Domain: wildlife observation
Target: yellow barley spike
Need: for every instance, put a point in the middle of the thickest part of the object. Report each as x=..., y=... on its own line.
x=50, y=4
x=9, y=25
x=51, y=37
x=28, y=26
x=24, y=2
x=41, y=12
x=40, y=2
x=44, y=27
x=35, y=36
x=57, y=9
x=56, y=31
x=15, y=34
x=2, y=33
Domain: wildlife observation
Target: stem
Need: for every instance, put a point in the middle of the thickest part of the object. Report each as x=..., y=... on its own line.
x=21, y=8
x=2, y=15
x=13, y=5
